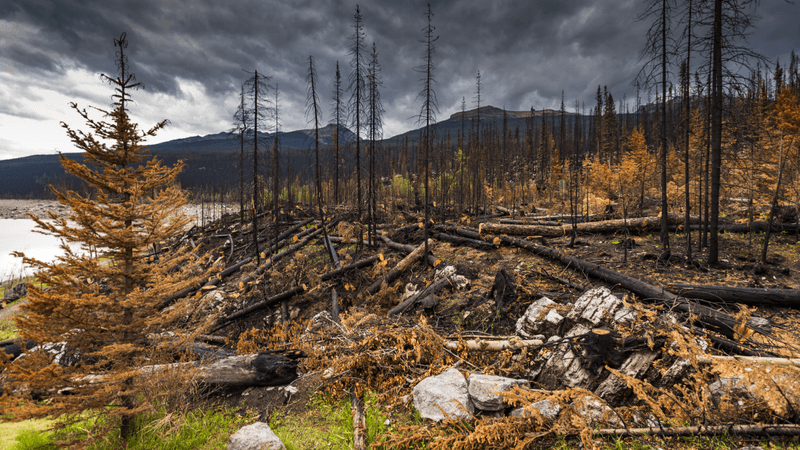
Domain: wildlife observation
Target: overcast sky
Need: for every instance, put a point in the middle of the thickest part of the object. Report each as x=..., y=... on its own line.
x=191, y=55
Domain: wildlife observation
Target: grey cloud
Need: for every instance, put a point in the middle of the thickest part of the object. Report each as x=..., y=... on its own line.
x=526, y=49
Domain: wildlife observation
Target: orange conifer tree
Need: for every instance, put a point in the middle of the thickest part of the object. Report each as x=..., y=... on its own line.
x=108, y=327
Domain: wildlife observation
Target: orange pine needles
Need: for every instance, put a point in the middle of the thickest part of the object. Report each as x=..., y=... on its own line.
x=102, y=304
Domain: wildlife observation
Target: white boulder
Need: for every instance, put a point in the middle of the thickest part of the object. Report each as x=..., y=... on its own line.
x=258, y=436
x=444, y=396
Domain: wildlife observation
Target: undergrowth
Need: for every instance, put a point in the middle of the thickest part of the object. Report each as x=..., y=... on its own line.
x=8, y=330
x=198, y=429
x=328, y=423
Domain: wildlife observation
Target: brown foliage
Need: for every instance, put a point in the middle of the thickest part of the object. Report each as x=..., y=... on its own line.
x=102, y=305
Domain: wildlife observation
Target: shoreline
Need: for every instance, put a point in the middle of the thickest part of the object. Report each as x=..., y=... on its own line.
x=20, y=208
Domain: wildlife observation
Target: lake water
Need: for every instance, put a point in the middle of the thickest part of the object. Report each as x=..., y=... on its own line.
x=18, y=235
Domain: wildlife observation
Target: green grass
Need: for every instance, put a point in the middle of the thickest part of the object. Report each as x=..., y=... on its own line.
x=27, y=431
x=199, y=429
x=327, y=423
x=7, y=329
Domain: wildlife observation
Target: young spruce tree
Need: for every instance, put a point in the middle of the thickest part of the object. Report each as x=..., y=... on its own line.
x=103, y=307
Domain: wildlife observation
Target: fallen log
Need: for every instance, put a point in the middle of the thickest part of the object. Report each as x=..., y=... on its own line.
x=606, y=226
x=257, y=369
x=359, y=422
x=470, y=233
x=750, y=359
x=573, y=285
x=431, y=289
x=432, y=260
x=718, y=321
x=505, y=211
x=536, y=222
x=285, y=295
x=401, y=267
x=762, y=430
x=493, y=345
x=787, y=298
x=286, y=233
x=458, y=240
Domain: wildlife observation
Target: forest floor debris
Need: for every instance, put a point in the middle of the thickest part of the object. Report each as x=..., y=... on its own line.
x=593, y=355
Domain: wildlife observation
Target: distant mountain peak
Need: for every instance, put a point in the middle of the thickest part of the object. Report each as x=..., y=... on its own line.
x=490, y=112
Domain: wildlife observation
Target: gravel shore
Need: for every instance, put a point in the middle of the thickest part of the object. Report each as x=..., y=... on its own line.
x=19, y=209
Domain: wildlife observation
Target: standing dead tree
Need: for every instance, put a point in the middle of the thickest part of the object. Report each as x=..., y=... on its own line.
x=375, y=130
x=257, y=87
x=338, y=115
x=357, y=88
x=660, y=52
x=727, y=22
x=428, y=111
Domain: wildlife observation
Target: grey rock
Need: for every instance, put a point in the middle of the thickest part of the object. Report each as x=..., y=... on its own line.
x=731, y=387
x=258, y=436
x=444, y=395
x=613, y=388
x=597, y=412
x=484, y=390
x=564, y=368
x=18, y=291
x=594, y=306
x=546, y=408
x=541, y=317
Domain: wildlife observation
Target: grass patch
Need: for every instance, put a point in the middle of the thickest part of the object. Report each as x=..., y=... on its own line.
x=327, y=423
x=7, y=329
x=27, y=431
x=198, y=429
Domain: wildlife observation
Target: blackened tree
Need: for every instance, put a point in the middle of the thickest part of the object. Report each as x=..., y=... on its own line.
x=257, y=88
x=357, y=88
x=428, y=110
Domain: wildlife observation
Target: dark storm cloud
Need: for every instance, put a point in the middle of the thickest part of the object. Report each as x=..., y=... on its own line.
x=528, y=52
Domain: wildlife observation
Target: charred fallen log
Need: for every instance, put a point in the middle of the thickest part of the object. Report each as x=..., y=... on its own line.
x=458, y=240
x=285, y=295
x=607, y=226
x=430, y=291
x=786, y=298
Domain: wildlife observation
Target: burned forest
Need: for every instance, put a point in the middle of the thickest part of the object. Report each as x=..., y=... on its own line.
x=511, y=278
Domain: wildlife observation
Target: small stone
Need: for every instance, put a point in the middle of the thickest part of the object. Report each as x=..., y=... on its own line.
x=546, y=408
x=258, y=436
x=484, y=390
